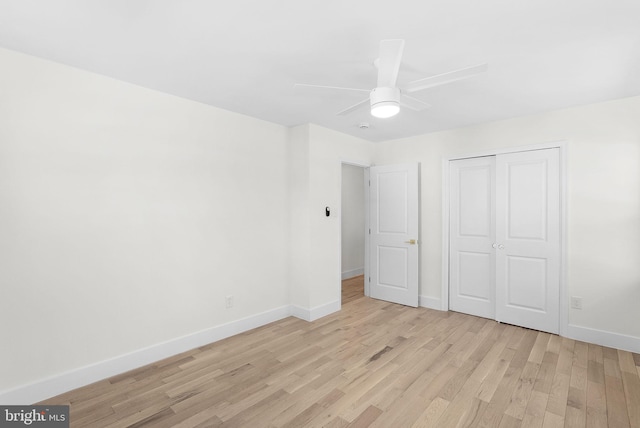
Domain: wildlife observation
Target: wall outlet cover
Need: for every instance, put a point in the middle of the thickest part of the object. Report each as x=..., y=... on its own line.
x=576, y=302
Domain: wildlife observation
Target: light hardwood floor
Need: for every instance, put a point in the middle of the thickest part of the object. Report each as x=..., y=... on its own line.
x=374, y=364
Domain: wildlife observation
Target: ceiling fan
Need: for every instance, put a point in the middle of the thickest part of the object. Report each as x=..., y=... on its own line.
x=387, y=98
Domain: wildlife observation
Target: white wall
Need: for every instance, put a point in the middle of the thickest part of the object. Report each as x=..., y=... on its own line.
x=603, y=202
x=299, y=224
x=126, y=217
x=353, y=219
x=316, y=243
x=327, y=151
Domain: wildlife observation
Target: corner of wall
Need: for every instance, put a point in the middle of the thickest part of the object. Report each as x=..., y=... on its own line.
x=312, y=314
x=431, y=302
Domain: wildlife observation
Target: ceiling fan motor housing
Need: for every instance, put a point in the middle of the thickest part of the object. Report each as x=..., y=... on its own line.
x=383, y=94
x=385, y=101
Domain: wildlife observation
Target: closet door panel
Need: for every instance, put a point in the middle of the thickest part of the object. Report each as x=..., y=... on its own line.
x=528, y=234
x=472, y=258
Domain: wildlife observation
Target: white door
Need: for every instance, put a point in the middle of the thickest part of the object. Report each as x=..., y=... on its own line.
x=472, y=233
x=504, y=238
x=393, y=254
x=528, y=238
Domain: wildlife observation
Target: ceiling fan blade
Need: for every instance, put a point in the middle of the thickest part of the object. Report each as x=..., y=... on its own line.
x=389, y=62
x=303, y=88
x=413, y=103
x=354, y=107
x=444, y=78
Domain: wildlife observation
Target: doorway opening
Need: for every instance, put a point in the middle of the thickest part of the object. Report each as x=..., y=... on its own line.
x=353, y=226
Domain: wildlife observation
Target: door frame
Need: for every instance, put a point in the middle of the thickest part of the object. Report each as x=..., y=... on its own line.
x=365, y=166
x=563, y=149
x=367, y=230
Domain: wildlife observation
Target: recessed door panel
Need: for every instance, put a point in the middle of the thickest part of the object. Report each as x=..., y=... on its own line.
x=526, y=286
x=476, y=280
x=527, y=199
x=388, y=258
x=475, y=201
x=392, y=202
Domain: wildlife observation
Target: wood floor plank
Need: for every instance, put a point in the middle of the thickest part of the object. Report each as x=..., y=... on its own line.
x=494, y=377
x=459, y=411
x=546, y=373
x=627, y=361
x=539, y=348
x=302, y=418
x=596, y=404
x=355, y=390
x=617, y=411
x=431, y=414
x=551, y=420
x=531, y=422
x=565, y=357
x=523, y=390
x=373, y=363
x=559, y=392
x=260, y=415
x=576, y=410
x=580, y=354
x=494, y=412
x=631, y=385
x=509, y=422
x=366, y=418
x=336, y=422
x=535, y=411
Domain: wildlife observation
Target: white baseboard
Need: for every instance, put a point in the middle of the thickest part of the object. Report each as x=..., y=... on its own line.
x=603, y=338
x=55, y=385
x=300, y=312
x=430, y=302
x=353, y=272
x=584, y=334
x=315, y=313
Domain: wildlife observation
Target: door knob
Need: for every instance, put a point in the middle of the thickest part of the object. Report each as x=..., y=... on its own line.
x=494, y=245
x=500, y=247
x=411, y=241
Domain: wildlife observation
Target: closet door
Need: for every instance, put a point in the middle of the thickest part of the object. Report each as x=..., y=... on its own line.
x=528, y=238
x=472, y=234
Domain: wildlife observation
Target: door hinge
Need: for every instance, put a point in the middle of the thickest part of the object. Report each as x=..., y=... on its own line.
x=369, y=231
x=369, y=279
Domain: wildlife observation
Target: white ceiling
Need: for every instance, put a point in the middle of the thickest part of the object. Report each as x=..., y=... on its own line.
x=246, y=55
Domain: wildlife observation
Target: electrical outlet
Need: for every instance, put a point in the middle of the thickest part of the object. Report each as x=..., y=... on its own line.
x=229, y=302
x=576, y=302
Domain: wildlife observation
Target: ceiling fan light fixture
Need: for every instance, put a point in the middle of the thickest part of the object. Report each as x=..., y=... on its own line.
x=385, y=102
x=385, y=109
